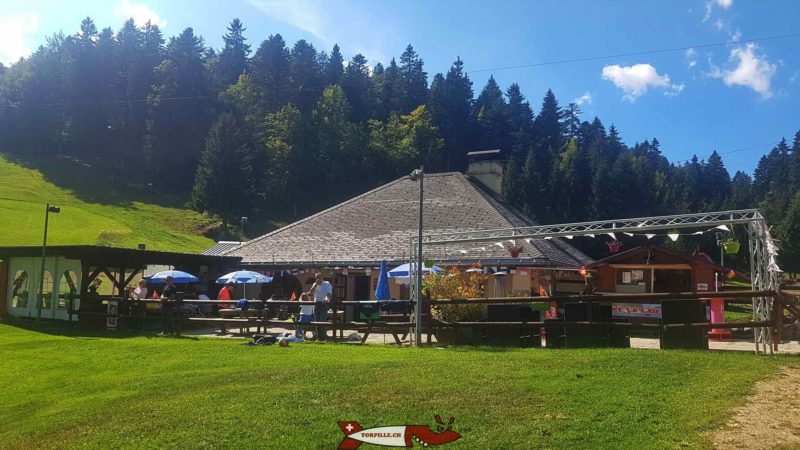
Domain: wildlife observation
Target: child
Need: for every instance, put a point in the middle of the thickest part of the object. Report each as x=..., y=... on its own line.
x=306, y=314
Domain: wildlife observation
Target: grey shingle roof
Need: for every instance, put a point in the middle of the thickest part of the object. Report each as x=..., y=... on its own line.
x=221, y=247
x=378, y=225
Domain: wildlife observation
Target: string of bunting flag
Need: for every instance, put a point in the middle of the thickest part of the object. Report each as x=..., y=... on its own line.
x=673, y=236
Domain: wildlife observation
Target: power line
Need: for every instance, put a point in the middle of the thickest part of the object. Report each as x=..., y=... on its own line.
x=742, y=149
x=645, y=52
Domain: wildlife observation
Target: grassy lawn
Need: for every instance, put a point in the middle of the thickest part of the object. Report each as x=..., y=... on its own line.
x=76, y=390
x=95, y=209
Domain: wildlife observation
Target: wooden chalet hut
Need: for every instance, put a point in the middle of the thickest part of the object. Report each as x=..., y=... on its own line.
x=653, y=268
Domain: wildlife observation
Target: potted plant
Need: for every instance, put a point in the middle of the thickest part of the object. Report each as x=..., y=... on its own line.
x=731, y=246
x=455, y=286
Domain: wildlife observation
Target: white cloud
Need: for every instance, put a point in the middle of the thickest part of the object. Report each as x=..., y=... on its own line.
x=585, y=99
x=691, y=57
x=317, y=19
x=637, y=79
x=748, y=69
x=724, y=4
x=139, y=12
x=13, y=33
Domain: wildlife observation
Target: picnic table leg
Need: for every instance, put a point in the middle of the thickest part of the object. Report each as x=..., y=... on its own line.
x=397, y=339
x=366, y=335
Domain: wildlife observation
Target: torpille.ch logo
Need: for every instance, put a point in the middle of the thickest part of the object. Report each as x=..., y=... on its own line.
x=397, y=435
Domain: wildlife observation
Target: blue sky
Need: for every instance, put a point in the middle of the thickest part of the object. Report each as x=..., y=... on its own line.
x=729, y=98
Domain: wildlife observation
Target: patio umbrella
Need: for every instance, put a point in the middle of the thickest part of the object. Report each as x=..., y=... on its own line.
x=404, y=270
x=244, y=277
x=177, y=277
x=382, y=291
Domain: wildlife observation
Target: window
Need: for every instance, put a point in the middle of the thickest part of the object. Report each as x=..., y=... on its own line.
x=635, y=277
x=19, y=295
x=47, y=290
x=67, y=289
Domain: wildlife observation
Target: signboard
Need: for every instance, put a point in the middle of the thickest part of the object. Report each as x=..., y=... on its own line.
x=646, y=310
x=111, y=319
x=702, y=286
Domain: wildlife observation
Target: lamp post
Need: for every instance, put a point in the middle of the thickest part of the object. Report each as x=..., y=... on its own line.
x=418, y=175
x=242, y=221
x=40, y=299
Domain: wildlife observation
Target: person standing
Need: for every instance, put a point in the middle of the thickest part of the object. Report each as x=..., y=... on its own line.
x=322, y=292
x=137, y=297
x=306, y=315
x=169, y=299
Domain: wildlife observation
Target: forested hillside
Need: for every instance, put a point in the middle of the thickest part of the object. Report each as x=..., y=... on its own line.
x=278, y=130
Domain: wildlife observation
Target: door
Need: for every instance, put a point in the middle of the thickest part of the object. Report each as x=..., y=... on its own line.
x=68, y=276
x=22, y=287
x=361, y=288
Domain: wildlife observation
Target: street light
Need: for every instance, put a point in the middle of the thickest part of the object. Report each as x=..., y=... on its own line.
x=418, y=175
x=48, y=209
x=242, y=222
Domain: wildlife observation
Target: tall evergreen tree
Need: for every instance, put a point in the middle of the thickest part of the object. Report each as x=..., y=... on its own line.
x=356, y=86
x=179, y=113
x=232, y=60
x=334, y=67
x=451, y=111
x=305, y=72
x=414, y=81
x=221, y=185
x=271, y=70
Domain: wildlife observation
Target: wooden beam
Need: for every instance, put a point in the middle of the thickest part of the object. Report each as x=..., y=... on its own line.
x=631, y=298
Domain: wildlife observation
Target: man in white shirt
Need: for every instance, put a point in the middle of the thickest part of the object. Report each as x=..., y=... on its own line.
x=137, y=308
x=322, y=291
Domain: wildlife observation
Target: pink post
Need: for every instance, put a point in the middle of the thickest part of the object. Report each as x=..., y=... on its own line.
x=718, y=316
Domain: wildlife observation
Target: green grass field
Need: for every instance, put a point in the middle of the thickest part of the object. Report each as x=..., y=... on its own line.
x=96, y=208
x=63, y=389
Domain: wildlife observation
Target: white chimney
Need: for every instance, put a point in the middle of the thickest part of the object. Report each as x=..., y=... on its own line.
x=486, y=167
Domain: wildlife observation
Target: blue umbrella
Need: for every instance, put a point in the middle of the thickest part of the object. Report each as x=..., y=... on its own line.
x=382, y=290
x=403, y=270
x=177, y=277
x=244, y=277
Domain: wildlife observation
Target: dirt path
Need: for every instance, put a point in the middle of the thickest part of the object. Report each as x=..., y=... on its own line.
x=769, y=418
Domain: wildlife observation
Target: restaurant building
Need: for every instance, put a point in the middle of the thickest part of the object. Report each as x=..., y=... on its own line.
x=348, y=241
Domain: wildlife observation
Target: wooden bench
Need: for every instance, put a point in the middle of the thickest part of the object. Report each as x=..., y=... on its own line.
x=222, y=322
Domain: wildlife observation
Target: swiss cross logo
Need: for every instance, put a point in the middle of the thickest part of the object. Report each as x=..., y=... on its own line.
x=398, y=435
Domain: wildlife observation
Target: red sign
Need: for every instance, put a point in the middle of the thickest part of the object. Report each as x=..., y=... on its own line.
x=636, y=310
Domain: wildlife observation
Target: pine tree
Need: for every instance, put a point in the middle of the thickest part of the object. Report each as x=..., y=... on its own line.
x=741, y=196
x=414, y=81
x=232, y=60
x=451, y=111
x=176, y=129
x=334, y=68
x=271, y=72
x=221, y=184
x=305, y=74
x=490, y=115
x=716, y=183
x=356, y=86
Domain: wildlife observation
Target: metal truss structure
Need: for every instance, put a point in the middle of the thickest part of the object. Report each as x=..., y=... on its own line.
x=763, y=266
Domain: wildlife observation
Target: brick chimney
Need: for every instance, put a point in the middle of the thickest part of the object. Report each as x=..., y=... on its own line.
x=486, y=167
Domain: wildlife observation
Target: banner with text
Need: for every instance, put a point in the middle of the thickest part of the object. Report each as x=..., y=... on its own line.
x=646, y=310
